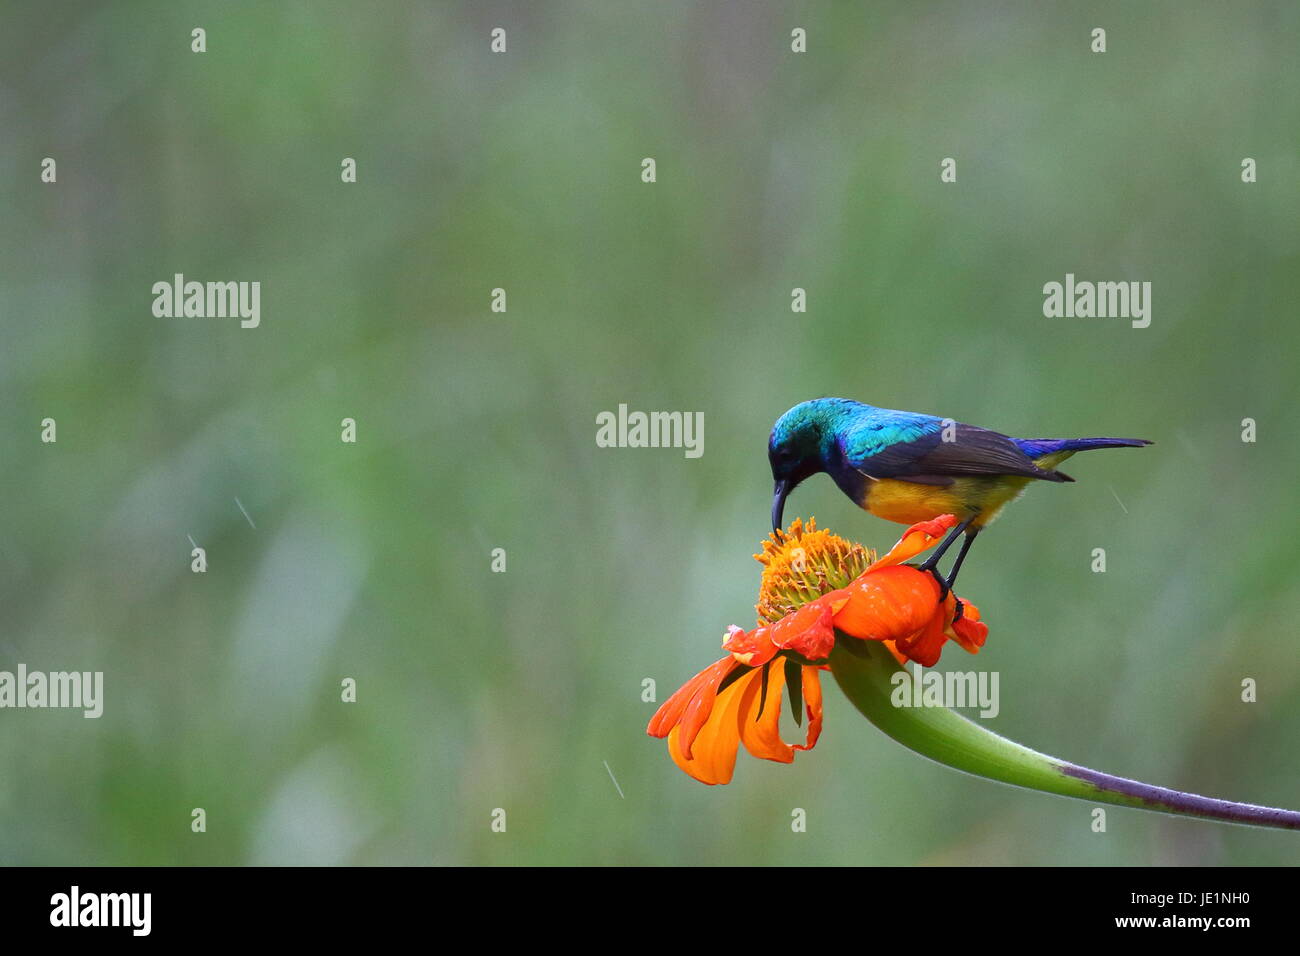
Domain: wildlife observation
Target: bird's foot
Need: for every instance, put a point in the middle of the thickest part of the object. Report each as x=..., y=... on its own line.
x=939, y=579
x=959, y=610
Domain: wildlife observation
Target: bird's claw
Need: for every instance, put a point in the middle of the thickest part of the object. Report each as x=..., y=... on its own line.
x=939, y=579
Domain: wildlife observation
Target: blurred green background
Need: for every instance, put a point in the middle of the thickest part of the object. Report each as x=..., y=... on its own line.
x=477, y=430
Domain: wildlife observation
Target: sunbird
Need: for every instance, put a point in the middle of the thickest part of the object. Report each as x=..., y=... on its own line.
x=908, y=467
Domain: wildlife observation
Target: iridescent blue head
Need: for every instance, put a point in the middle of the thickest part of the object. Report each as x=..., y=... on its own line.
x=802, y=444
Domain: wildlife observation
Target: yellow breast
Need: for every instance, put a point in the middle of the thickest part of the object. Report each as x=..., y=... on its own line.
x=908, y=503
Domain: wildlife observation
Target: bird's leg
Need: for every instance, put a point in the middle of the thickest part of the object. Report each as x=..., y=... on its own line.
x=961, y=556
x=956, y=566
x=930, y=563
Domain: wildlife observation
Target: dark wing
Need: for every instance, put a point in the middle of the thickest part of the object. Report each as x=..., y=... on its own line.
x=918, y=453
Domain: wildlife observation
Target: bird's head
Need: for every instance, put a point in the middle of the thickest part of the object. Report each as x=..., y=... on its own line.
x=799, y=446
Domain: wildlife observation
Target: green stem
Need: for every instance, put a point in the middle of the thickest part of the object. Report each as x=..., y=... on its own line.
x=864, y=671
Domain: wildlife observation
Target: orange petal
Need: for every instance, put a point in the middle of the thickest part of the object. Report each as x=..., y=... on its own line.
x=712, y=759
x=969, y=631
x=919, y=537
x=809, y=630
x=925, y=645
x=696, y=696
x=812, y=701
x=761, y=734
x=889, y=605
x=751, y=648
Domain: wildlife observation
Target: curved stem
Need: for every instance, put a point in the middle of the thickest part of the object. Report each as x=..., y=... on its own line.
x=864, y=671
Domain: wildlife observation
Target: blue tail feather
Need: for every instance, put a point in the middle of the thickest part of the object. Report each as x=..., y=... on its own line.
x=1038, y=447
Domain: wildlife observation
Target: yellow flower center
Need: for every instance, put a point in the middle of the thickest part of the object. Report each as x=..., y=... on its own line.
x=802, y=564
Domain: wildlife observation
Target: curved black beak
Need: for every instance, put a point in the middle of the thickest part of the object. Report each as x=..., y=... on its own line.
x=779, y=494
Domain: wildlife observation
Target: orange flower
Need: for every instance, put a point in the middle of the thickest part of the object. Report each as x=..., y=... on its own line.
x=814, y=586
x=899, y=604
x=889, y=601
x=728, y=704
